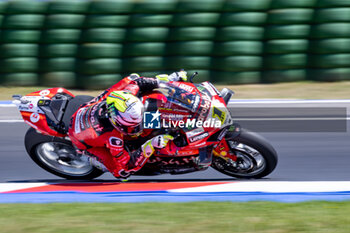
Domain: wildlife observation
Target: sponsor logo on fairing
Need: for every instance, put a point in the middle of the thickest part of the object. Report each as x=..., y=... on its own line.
x=199, y=137
x=184, y=86
x=92, y=116
x=205, y=107
x=77, y=122
x=194, y=132
x=44, y=92
x=23, y=108
x=81, y=120
x=29, y=104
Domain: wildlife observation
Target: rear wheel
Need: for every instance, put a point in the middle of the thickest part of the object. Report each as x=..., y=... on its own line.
x=58, y=156
x=256, y=158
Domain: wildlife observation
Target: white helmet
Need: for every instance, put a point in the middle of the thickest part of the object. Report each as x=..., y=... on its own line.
x=125, y=112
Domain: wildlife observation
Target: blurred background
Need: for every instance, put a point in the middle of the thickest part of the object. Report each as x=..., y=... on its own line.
x=93, y=44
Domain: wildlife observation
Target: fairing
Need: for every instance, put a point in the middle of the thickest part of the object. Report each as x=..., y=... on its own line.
x=29, y=107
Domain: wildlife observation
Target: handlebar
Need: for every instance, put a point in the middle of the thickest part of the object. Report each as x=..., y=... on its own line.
x=192, y=76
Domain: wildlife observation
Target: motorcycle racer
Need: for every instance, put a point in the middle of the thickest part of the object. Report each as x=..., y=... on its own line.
x=101, y=127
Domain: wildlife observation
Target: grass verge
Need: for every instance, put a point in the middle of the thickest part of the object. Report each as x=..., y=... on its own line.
x=294, y=90
x=268, y=217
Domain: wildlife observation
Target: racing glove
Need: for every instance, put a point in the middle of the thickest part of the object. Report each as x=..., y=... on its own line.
x=134, y=76
x=139, y=158
x=176, y=76
x=158, y=142
x=145, y=84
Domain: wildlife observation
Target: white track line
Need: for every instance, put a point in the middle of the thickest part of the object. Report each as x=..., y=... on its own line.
x=10, y=121
x=273, y=187
x=7, y=105
x=8, y=187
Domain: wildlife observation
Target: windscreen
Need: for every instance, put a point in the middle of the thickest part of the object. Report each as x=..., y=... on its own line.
x=180, y=96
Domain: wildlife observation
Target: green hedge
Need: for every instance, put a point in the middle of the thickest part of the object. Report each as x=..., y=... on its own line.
x=94, y=43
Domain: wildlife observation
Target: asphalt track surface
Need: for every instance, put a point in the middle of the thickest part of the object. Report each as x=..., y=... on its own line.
x=303, y=156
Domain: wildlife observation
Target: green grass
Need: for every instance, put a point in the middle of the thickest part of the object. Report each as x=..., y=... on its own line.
x=266, y=217
x=294, y=90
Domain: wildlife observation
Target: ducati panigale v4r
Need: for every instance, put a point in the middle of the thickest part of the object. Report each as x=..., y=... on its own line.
x=196, y=115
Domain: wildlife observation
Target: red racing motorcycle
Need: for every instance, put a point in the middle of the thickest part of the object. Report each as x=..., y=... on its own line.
x=197, y=115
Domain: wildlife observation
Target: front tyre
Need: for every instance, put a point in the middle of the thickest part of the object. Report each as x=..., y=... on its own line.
x=57, y=156
x=256, y=157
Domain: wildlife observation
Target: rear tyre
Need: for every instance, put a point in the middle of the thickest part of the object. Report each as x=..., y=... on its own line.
x=256, y=158
x=57, y=156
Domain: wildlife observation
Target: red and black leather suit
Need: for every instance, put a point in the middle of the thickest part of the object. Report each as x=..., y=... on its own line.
x=92, y=133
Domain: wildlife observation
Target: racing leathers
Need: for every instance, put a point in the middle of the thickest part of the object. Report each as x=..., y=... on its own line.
x=93, y=135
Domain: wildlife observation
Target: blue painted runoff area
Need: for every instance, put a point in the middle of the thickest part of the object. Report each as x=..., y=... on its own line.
x=164, y=196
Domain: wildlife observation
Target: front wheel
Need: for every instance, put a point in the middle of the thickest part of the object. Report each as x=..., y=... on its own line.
x=58, y=156
x=256, y=157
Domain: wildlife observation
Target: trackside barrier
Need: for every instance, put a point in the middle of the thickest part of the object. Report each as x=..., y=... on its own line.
x=92, y=44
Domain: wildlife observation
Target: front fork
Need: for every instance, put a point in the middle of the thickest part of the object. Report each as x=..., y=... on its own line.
x=223, y=150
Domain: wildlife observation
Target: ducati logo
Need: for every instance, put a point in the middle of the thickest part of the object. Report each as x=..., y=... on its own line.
x=34, y=117
x=116, y=142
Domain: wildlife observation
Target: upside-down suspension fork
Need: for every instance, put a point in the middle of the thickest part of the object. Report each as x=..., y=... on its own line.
x=223, y=150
